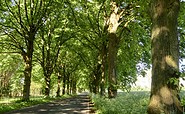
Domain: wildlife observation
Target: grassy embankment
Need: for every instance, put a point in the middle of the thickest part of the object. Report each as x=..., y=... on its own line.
x=134, y=102
x=9, y=104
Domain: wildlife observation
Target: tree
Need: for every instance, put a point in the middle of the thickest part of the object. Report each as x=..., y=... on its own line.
x=89, y=33
x=49, y=45
x=165, y=58
x=98, y=33
x=113, y=24
x=95, y=19
x=114, y=21
x=21, y=23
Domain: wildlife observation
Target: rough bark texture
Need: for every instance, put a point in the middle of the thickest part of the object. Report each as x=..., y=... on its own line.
x=113, y=41
x=27, y=56
x=48, y=84
x=113, y=24
x=165, y=58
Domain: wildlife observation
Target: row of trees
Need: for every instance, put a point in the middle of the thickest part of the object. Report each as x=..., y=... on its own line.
x=92, y=44
x=45, y=32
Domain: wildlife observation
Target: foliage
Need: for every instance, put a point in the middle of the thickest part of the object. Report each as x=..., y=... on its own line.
x=134, y=102
x=181, y=28
x=72, y=33
x=10, y=74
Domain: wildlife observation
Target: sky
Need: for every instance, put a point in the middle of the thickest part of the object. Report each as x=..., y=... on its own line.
x=145, y=82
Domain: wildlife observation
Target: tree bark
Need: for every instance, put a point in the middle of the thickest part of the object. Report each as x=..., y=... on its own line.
x=50, y=52
x=58, y=85
x=71, y=85
x=64, y=81
x=96, y=78
x=27, y=56
x=68, y=83
x=113, y=24
x=48, y=84
x=103, y=69
x=165, y=58
x=64, y=86
x=112, y=55
x=47, y=63
x=74, y=86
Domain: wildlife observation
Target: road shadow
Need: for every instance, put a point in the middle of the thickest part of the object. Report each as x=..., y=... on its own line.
x=79, y=104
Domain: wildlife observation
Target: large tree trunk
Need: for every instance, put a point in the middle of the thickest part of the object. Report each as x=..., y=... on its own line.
x=27, y=56
x=47, y=67
x=96, y=77
x=48, y=84
x=113, y=24
x=113, y=42
x=165, y=58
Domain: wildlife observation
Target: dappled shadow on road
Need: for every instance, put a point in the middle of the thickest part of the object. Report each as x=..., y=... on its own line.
x=76, y=105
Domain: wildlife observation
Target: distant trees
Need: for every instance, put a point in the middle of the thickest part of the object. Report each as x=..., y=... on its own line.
x=48, y=46
x=10, y=66
x=111, y=29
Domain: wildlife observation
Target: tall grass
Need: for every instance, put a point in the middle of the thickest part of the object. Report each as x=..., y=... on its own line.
x=134, y=102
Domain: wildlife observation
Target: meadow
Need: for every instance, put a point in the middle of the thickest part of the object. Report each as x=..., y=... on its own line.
x=134, y=102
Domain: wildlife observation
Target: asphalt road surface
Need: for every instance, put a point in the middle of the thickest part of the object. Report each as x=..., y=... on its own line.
x=79, y=104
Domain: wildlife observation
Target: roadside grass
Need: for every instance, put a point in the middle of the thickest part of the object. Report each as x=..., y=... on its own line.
x=9, y=104
x=134, y=102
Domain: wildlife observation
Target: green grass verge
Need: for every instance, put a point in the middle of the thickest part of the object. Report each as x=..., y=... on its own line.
x=9, y=104
x=134, y=102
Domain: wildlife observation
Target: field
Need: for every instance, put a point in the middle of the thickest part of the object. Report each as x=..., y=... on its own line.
x=134, y=102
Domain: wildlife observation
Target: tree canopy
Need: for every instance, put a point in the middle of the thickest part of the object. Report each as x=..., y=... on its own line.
x=66, y=46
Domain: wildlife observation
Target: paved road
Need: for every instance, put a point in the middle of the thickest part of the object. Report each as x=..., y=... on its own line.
x=79, y=104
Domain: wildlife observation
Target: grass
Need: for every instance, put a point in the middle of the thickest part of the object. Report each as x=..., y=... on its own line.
x=134, y=102
x=9, y=104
